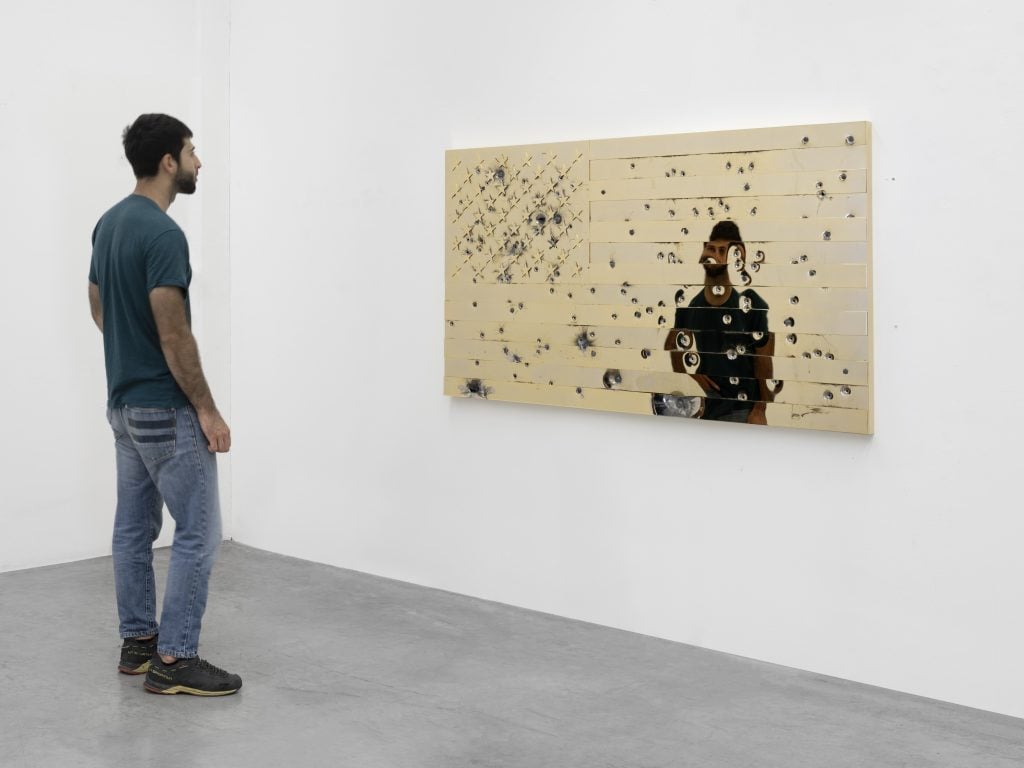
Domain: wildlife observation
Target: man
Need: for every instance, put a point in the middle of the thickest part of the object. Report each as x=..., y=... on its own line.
x=167, y=429
x=721, y=339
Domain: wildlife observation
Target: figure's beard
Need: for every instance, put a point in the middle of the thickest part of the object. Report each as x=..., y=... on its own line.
x=715, y=270
x=185, y=183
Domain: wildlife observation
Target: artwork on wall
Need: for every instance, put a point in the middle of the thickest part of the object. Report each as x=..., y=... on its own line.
x=723, y=276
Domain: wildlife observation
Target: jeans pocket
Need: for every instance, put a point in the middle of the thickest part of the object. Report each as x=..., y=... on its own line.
x=153, y=431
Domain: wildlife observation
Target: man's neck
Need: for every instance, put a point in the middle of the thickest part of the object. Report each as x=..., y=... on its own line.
x=161, y=194
x=716, y=300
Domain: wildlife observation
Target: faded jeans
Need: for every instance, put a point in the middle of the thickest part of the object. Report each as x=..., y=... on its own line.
x=162, y=457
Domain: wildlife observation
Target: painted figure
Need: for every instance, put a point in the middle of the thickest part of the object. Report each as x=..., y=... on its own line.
x=721, y=338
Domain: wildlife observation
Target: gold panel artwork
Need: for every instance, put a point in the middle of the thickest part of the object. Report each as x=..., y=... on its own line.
x=722, y=276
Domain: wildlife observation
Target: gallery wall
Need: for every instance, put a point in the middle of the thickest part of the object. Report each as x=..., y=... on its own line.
x=891, y=560
x=74, y=75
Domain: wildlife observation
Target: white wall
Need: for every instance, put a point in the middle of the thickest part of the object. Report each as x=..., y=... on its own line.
x=74, y=74
x=893, y=560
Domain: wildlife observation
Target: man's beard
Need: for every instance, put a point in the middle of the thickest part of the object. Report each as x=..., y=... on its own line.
x=184, y=183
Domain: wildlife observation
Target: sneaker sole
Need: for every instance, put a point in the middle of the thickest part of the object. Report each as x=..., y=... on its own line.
x=139, y=670
x=185, y=689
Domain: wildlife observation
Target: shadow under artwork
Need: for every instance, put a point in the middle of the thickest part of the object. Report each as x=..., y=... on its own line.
x=722, y=276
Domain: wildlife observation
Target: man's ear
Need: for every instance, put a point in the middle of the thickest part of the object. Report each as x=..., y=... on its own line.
x=168, y=163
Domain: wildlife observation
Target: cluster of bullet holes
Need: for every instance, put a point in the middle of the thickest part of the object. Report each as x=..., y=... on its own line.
x=612, y=378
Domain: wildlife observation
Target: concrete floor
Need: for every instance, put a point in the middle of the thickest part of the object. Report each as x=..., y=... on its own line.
x=346, y=669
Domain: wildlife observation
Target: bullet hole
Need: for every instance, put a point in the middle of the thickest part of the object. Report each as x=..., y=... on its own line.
x=667, y=174
x=569, y=295
x=830, y=356
x=551, y=383
x=661, y=320
x=671, y=212
x=661, y=257
x=520, y=305
x=791, y=338
x=612, y=378
x=481, y=334
x=807, y=355
x=500, y=174
x=820, y=184
x=740, y=169
x=632, y=231
x=649, y=310
x=826, y=235
x=557, y=218
x=794, y=299
x=614, y=316
x=685, y=231
x=788, y=322
x=451, y=323
x=726, y=207
x=574, y=318
x=731, y=353
x=647, y=206
x=751, y=165
x=711, y=212
x=850, y=140
x=611, y=264
x=842, y=176
x=593, y=290
x=634, y=300
x=645, y=353
x=618, y=342
x=726, y=319
x=474, y=303
x=692, y=359
x=805, y=140
x=637, y=314
x=475, y=388
x=696, y=212
x=515, y=375
x=846, y=371
x=551, y=291
x=632, y=165
x=541, y=219
x=511, y=310
x=673, y=171
x=753, y=211
x=582, y=340
x=754, y=267
x=683, y=340
x=827, y=394
x=501, y=329
x=759, y=256
x=845, y=391
x=746, y=188
x=822, y=194
x=728, y=166
x=579, y=391
x=602, y=191
x=672, y=257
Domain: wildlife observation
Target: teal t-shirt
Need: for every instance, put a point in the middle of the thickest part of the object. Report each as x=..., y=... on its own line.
x=135, y=248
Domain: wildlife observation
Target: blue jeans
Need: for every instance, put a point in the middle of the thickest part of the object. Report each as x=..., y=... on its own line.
x=162, y=457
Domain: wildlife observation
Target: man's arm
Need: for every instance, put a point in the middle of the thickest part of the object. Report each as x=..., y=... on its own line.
x=96, y=306
x=182, y=355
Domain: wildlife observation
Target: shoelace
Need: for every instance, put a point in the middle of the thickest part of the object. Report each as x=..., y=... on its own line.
x=215, y=671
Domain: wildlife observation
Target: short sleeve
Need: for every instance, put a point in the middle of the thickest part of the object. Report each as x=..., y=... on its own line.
x=167, y=261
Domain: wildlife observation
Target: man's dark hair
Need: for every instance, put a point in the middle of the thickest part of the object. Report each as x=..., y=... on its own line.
x=726, y=230
x=151, y=137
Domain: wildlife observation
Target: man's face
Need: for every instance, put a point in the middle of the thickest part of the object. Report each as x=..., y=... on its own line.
x=715, y=257
x=187, y=175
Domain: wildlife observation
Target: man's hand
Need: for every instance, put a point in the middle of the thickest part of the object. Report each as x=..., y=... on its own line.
x=216, y=430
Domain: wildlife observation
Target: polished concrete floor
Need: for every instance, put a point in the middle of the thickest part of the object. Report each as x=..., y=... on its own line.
x=346, y=669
